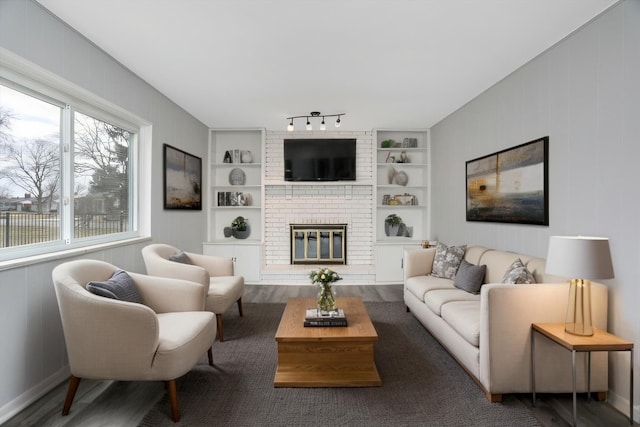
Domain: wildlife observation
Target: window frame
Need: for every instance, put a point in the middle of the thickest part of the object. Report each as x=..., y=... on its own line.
x=33, y=81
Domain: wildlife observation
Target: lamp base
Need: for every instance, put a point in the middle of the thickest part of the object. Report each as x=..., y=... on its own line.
x=578, y=320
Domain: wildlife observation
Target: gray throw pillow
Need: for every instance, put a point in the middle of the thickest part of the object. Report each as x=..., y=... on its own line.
x=470, y=277
x=120, y=286
x=447, y=260
x=180, y=257
x=518, y=274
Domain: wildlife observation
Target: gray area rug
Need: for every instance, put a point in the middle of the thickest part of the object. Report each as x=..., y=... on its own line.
x=421, y=384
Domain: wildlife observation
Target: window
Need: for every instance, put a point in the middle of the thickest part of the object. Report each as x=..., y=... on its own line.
x=66, y=175
x=101, y=177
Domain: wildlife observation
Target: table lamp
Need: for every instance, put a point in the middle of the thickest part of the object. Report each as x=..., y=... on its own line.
x=581, y=259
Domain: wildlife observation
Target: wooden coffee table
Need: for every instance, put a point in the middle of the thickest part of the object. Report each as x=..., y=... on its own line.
x=337, y=356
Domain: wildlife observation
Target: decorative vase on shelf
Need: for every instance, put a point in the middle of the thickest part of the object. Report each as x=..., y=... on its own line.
x=246, y=157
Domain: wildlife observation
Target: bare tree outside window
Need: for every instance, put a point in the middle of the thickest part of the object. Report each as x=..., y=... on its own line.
x=101, y=170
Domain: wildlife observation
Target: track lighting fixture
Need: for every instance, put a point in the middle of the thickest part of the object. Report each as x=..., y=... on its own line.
x=313, y=114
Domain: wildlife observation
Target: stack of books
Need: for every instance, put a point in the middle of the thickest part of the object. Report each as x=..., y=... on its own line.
x=315, y=317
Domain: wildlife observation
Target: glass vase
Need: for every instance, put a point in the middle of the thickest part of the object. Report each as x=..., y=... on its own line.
x=326, y=299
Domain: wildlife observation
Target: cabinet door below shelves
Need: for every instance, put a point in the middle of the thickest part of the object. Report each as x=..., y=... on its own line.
x=247, y=258
x=389, y=263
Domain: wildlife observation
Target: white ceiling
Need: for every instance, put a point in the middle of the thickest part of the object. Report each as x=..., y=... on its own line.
x=385, y=63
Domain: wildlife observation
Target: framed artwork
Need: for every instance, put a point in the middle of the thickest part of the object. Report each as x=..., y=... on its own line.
x=182, y=180
x=511, y=185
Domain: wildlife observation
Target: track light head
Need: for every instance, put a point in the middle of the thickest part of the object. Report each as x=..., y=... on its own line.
x=290, y=126
x=309, y=127
x=338, y=122
x=323, y=126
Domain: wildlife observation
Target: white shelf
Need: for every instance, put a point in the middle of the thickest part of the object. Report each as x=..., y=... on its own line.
x=237, y=165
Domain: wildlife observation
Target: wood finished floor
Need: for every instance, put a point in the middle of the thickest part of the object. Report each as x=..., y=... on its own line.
x=106, y=403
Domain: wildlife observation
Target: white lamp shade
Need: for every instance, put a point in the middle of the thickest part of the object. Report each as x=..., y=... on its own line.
x=579, y=257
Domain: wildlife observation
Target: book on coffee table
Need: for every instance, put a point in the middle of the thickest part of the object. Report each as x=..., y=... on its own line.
x=315, y=317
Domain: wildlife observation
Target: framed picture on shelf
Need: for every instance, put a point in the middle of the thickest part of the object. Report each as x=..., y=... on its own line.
x=510, y=186
x=182, y=179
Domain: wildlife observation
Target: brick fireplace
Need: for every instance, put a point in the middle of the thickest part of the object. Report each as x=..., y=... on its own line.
x=319, y=204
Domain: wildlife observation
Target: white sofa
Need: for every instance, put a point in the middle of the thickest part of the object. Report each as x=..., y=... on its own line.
x=489, y=333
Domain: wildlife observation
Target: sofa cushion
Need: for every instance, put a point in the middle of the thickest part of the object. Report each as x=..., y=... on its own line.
x=469, y=277
x=180, y=257
x=437, y=298
x=464, y=318
x=447, y=260
x=518, y=274
x=420, y=285
x=120, y=286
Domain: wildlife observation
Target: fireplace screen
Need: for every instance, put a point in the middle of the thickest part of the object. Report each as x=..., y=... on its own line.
x=313, y=244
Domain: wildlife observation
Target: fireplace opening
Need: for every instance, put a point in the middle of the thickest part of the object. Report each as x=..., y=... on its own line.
x=318, y=243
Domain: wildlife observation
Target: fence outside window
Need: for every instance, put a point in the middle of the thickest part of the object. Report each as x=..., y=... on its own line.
x=19, y=228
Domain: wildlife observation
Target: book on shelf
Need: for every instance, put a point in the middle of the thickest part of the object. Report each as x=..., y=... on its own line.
x=315, y=317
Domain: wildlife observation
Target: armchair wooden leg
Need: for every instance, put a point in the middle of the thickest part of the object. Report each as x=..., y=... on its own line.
x=71, y=393
x=240, y=306
x=173, y=399
x=219, y=321
x=210, y=354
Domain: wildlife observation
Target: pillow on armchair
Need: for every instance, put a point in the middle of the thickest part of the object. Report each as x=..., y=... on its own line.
x=120, y=286
x=180, y=257
x=447, y=260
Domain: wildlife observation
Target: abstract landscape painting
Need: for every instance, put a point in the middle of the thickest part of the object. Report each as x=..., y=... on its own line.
x=182, y=179
x=510, y=185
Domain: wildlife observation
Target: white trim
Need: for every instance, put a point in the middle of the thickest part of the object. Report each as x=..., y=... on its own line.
x=27, y=398
x=69, y=253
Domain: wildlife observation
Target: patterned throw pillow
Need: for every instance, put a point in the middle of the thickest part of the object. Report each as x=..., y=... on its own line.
x=447, y=260
x=518, y=274
x=180, y=257
x=470, y=277
x=120, y=286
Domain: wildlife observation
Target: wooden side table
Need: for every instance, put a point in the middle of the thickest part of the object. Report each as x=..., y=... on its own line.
x=599, y=341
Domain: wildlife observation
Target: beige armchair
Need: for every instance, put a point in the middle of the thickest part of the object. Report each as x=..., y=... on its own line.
x=213, y=272
x=109, y=339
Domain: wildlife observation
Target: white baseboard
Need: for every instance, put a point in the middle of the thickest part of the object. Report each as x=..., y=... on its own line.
x=21, y=402
x=622, y=405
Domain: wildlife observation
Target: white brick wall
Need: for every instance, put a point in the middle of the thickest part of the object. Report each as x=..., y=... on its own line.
x=287, y=203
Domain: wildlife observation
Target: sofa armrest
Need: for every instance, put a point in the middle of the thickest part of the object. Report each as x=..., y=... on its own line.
x=168, y=295
x=215, y=265
x=418, y=262
x=506, y=315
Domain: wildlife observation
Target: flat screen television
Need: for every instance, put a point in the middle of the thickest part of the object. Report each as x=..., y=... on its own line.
x=319, y=159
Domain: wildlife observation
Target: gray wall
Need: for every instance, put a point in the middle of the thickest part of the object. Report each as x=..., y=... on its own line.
x=33, y=355
x=585, y=94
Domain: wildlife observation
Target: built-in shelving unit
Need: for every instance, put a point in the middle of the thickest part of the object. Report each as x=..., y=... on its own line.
x=402, y=188
x=235, y=189
x=235, y=186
